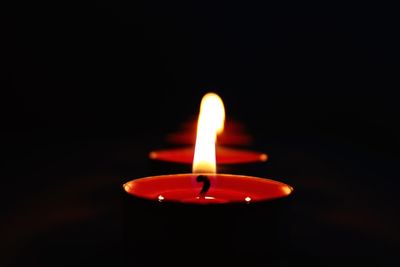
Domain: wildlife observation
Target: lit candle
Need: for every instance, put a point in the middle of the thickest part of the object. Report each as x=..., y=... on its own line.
x=204, y=218
x=203, y=185
x=212, y=110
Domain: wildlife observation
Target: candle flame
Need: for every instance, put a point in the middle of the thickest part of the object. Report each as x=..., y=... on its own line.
x=210, y=123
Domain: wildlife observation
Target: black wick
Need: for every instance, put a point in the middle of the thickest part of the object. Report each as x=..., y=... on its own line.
x=206, y=184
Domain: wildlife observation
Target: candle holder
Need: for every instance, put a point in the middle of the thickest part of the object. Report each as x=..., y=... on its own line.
x=238, y=233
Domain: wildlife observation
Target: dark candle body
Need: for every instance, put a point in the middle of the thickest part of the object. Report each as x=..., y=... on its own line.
x=175, y=234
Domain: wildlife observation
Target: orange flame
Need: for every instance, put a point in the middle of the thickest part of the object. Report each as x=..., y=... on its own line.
x=210, y=123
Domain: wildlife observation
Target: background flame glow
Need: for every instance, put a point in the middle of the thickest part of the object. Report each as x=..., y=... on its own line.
x=210, y=123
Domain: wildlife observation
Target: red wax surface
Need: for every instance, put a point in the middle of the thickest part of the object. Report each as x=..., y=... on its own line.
x=223, y=155
x=225, y=188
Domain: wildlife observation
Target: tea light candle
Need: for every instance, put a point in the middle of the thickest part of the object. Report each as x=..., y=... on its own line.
x=207, y=188
x=204, y=218
x=211, y=104
x=204, y=186
x=224, y=155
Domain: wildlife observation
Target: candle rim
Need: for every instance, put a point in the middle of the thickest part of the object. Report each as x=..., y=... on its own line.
x=253, y=156
x=128, y=186
x=209, y=174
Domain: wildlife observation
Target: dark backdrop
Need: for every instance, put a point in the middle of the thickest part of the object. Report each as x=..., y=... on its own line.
x=88, y=89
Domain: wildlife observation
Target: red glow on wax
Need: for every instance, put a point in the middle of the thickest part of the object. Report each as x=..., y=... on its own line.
x=233, y=134
x=187, y=138
x=225, y=188
x=229, y=125
x=223, y=155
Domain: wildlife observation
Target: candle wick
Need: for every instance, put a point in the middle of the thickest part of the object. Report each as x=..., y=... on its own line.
x=206, y=184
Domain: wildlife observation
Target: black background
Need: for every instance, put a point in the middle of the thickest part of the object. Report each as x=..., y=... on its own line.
x=87, y=90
